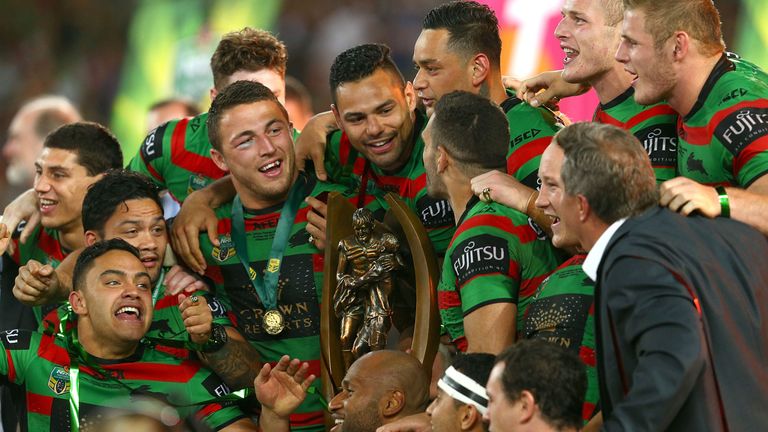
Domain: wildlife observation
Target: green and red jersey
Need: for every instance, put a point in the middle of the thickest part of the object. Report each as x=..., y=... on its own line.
x=562, y=312
x=655, y=126
x=723, y=140
x=177, y=156
x=347, y=166
x=299, y=289
x=530, y=132
x=40, y=363
x=494, y=257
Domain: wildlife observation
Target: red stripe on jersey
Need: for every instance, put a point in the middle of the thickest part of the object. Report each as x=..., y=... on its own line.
x=344, y=148
x=11, y=369
x=39, y=404
x=151, y=169
x=756, y=147
x=448, y=299
x=207, y=410
x=523, y=232
x=181, y=353
x=587, y=356
x=603, y=117
x=193, y=162
x=225, y=225
x=306, y=419
x=587, y=410
x=214, y=272
x=703, y=135
x=50, y=246
x=408, y=188
x=301, y=215
x=166, y=302
x=318, y=262
x=529, y=286
x=52, y=352
x=461, y=343
x=521, y=155
x=142, y=371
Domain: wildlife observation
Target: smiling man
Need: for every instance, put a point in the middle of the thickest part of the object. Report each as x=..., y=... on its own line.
x=680, y=327
x=73, y=158
x=265, y=270
x=101, y=361
x=676, y=50
x=381, y=387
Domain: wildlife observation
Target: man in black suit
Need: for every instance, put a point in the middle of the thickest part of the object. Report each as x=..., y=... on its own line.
x=681, y=302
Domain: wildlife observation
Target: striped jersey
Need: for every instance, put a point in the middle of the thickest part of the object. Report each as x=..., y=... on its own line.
x=299, y=290
x=530, y=132
x=40, y=363
x=655, y=126
x=562, y=312
x=176, y=156
x=494, y=257
x=723, y=140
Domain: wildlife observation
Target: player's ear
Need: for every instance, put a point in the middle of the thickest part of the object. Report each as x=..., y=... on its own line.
x=218, y=159
x=77, y=300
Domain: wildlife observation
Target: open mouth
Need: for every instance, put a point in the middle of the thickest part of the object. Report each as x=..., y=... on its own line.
x=570, y=54
x=272, y=169
x=382, y=145
x=338, y=425
x=128, y=313
x=149, y=261
x=47, y=205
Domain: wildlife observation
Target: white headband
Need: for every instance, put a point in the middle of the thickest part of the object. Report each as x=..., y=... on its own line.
x=464, y=389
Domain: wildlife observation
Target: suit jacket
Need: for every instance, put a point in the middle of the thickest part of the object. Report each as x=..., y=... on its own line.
x=682, y=330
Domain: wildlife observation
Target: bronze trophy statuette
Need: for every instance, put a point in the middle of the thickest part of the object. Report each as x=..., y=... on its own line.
x=365, y=281
x=380, y=282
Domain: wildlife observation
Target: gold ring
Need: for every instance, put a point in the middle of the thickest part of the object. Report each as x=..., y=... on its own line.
x=311, y=240
x=194, y=299
x=486, y=195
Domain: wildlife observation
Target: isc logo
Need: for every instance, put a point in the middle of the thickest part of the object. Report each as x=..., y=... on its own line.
x=529, y=134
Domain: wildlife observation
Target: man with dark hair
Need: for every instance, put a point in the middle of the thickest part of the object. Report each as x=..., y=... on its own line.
x=380, y=388
x=176, y=154
x=379, y=146
x=462, y=400
x=73, y=158
x=536, y=386
x=494, y=262
x=29, y=127
x=459, y=48
x=125, y=204
x=100, y=360
x=678, y=55
x=681, y=326
x=266, y=271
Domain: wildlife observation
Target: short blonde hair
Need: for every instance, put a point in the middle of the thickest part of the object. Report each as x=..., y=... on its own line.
x=699, y=18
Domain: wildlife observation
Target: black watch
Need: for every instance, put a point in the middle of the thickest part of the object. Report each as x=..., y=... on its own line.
x=218, y=338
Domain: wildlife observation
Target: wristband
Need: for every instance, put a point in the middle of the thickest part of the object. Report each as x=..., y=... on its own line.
x=725, y=205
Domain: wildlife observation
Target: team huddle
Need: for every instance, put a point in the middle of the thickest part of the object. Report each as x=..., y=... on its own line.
x=602, y=275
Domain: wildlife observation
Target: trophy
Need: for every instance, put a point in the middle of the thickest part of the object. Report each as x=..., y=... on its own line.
x=376, y=275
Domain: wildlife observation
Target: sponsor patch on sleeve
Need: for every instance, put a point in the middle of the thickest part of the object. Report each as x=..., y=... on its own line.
x=483, y=254
x=742, y=127
x=15, y=339
x=152, y=148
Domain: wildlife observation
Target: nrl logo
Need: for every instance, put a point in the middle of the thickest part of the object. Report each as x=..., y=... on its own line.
x=225, y=250
x=196, y=182
x=274, y=265
x=59, y=380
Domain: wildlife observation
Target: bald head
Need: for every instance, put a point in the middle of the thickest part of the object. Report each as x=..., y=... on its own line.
x=32, y=123
x=380, y=388
x=400, y=371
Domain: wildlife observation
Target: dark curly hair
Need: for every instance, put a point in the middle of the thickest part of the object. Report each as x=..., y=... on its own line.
x=248, y=49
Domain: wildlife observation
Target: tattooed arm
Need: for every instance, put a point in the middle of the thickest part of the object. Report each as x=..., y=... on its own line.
x=237, y=362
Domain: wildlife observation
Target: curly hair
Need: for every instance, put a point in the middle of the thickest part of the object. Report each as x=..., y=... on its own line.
x=248, y=49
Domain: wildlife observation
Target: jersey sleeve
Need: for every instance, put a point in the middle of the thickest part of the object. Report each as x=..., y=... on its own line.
x=18, y=348
x=530, y=132
x=485, y=273
x=218, y=416
x=744, y=134
x=154, y=154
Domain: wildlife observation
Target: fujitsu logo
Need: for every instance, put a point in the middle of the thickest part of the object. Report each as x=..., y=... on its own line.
x=656, y=141
x=475, y=254
x=746, y=121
